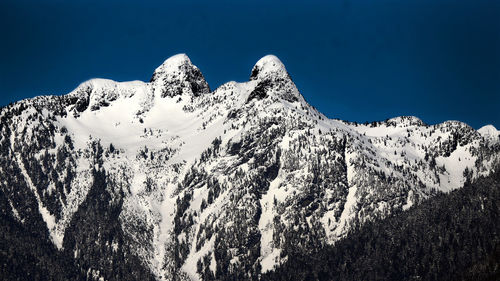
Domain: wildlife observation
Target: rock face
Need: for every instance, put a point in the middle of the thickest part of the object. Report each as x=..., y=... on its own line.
x=167, y=180
x=177, y=76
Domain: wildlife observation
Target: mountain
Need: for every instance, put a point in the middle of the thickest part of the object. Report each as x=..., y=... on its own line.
x=448, y=237
x=170, y=180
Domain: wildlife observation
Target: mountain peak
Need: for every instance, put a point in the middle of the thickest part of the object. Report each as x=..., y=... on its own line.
x=170, y=182
x=490, y=129
x=178, y=75
x=405, y=121
x=490, y=133
x=269, y=65
x=174, y=62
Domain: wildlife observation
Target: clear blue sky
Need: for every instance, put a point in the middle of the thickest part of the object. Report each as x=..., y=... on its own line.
x=353, y=60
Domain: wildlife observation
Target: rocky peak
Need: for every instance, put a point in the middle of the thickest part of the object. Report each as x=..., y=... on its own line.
x=273, y=80
x=269, y=67
x=177, y=76
x=250, y=171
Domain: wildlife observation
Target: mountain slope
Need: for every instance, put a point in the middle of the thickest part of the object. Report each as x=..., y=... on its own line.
x=27, y=255
x=448, y=237
x=193, y=183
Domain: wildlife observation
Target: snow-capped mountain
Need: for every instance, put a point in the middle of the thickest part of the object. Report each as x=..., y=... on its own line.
x=169, y=180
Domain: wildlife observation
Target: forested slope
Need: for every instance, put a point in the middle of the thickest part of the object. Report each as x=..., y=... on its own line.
x=453, y=236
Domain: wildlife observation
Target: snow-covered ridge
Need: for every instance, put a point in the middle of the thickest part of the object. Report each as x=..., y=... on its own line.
x=404, y=121
x=97, y=93
x=248, y=169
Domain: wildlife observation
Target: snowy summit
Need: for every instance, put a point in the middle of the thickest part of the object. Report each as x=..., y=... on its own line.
x=169, y=179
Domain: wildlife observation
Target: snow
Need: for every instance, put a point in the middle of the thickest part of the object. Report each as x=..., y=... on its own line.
x=15, y=212
x=98, y=83
x=455, y=165
x=174, y=63
x=172, y=127
x=490, y=133
x=175, y=68
x=267, y=250
x=380, y=131
x=270, y=65
x=271, y=260
x=409, y=203
x=278, y=193
x=350, y=202
x=406, y=121
x=48, y=218
x=190, y=265
x=488, y=130
x=134, y=116
x=213, y=263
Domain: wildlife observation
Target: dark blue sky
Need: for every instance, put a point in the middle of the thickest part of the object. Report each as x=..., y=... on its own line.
x=353, y=60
